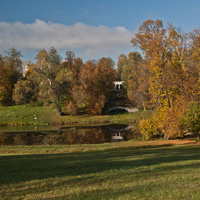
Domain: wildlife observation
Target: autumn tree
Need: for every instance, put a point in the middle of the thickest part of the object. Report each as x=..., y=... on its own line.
x=134, y=73
x=192, y=67
x=71, y=108
x=3, y=90
x=54, y=77
x=74, y=64
x=23, y=92
x=162, y=50
x=87, y=82
x=138, y=86
x=97, y=82
x=10, y=72
x=26, y=90
x=165, y=54
x=105, y=75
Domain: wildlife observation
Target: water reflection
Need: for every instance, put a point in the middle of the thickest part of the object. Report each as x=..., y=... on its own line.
x=117, y=137
x=71, y=135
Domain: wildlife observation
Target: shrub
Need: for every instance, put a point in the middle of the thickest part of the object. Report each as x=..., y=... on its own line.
x=190, y=119
x=148, y=128
x=170, y=123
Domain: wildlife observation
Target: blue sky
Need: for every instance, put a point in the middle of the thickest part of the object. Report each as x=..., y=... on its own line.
x=90, y=28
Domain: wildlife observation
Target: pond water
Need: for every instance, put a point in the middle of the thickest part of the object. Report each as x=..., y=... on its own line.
x=51, y=135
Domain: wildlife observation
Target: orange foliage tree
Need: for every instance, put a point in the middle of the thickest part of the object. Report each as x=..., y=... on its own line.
x=97, y=82
x=10, y=72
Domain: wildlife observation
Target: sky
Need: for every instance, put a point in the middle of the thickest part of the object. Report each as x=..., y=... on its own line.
x=92, y=29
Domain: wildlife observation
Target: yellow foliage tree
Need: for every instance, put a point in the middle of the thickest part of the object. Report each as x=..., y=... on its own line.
x=170, y=123
x=172, y=77
x=148, y=128
x=163, y=49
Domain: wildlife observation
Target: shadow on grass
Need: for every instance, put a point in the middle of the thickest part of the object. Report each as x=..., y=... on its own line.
x=20, y=168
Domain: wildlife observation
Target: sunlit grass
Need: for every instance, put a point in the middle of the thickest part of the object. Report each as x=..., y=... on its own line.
x=128, y=170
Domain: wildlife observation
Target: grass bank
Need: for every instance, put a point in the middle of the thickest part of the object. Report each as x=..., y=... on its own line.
x=19, y=115
x=128, y=170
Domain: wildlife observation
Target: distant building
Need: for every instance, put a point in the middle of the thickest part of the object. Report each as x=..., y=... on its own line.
x=25, y=68
x=118, y=85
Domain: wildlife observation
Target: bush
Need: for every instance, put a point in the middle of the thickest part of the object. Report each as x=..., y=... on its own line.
x=170, y=123
x=148, y=128
x=190, y=119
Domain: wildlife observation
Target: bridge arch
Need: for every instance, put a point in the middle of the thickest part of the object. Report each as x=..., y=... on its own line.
x=130, y=110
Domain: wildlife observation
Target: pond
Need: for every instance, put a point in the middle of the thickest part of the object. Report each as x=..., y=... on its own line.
x=52, y=135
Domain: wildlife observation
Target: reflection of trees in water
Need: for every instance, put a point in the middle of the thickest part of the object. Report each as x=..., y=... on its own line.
x=131, y=134
x=69, y=136
x=6, y=139
x=93, y=136
x=84, y=136
x=20, y=139
x=76, y=135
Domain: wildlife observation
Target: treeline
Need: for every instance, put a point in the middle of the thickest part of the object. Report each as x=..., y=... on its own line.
x=66, y=85
x=164, y=78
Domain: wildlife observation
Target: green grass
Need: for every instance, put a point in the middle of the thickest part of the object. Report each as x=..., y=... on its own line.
x=128, y=170
x=19, y=115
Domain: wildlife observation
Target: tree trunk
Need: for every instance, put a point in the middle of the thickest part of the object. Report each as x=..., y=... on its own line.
x=143, y=104
x=197, y=135
x=166, y=137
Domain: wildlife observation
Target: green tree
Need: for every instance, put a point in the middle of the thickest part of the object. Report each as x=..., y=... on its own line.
x=190, y=119
x=134, y=72
x=134, y=59
x=23, y=92
x=74, y=64
x=122, y=61
x=54, y=77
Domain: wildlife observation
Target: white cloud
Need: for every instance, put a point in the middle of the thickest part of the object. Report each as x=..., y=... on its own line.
x=88, y=39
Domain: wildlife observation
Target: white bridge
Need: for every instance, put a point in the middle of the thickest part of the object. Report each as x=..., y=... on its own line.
x=130, y=110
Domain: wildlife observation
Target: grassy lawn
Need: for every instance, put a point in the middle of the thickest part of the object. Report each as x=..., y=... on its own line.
x=128, y=170
x=19, y=115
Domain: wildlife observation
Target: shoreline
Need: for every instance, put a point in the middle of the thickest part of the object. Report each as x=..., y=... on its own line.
x=21, y=116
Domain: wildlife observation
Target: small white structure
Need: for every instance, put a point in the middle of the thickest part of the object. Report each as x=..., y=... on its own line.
x=118, y=85
x=117, y=137
x=25, y=68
